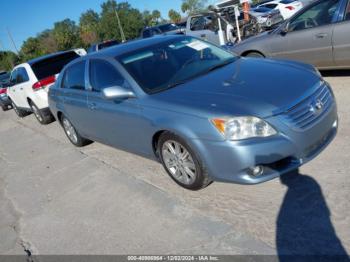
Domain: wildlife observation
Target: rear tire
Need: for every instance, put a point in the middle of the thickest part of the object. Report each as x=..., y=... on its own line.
x=74, y=137
x=42, y=118
x=255, y=54
x=181, y=163
x=19, y=112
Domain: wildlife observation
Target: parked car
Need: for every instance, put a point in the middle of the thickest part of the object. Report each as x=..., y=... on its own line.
x=100, y=46
x=287, y=8
x=4, y=76
x=160, y=30
x=266, y=17
x=31, y=81
x=319, y=34
x=205, y=113
x=5, y=102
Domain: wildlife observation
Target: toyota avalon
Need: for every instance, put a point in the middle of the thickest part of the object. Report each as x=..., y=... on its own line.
x=204, y=113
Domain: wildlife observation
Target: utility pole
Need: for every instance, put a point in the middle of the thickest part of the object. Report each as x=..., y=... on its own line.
x=13, y=42
x=120, y=25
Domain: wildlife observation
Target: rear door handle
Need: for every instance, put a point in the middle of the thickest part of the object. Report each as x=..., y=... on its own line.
x=203, y=35
x=92, y=106
x=321, y=35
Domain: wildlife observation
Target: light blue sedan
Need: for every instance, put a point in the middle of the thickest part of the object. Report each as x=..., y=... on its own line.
x=204, y=113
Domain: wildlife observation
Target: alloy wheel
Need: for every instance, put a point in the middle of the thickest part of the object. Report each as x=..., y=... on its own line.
x=70, y=130
x=36, y=112
x=179, y=162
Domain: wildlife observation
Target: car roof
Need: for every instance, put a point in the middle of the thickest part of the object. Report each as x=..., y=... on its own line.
x=38, y=59
x=134, y=45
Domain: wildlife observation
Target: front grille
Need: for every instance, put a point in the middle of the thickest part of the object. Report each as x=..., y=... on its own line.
x=305, y=114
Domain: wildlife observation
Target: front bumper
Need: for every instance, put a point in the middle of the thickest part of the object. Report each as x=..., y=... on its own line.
x=230, y=161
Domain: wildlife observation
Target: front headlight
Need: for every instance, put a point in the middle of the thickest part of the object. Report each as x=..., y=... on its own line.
x=238, y=128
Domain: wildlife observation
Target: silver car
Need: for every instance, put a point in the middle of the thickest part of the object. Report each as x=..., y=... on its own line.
x=197, y=109
x=319, y=34
x=266, y=17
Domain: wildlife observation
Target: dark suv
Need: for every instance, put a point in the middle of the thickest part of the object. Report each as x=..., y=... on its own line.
x=160, y=29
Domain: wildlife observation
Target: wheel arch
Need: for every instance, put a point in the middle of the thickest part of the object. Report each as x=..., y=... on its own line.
x=245, y=53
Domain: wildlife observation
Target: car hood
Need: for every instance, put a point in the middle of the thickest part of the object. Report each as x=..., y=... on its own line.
x=248, y=86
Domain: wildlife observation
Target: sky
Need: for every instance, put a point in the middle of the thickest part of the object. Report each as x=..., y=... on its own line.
x=25, y=18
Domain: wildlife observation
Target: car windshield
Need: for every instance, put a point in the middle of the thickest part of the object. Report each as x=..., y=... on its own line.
x=165, y=65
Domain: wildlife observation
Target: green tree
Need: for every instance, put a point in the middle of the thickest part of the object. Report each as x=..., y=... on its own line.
x=130, y=18
x=32, y=48
x=156, y=16
x=193, y=6
x=47, y=42
x=151, y=19
x=89, y=27
x=174, y=16
x=66, y=34
x=7, y=60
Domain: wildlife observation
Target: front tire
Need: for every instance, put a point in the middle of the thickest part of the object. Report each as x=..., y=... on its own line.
x=73, y=134
x=254, y=54
x=181, y=163
x=42, y=118
x=19, y=112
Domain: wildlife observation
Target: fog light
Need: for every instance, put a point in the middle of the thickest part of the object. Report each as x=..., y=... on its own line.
x=256, y=171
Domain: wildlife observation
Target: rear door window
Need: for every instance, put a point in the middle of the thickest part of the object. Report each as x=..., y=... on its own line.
x=103, y=75
x=13, y=79
x=22, y=75
x=74, y=77
x=52, y=65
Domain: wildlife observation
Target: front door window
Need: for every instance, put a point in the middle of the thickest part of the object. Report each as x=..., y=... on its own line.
x=318, y=15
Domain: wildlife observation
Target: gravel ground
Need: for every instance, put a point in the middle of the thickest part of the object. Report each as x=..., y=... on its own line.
x=57, y=199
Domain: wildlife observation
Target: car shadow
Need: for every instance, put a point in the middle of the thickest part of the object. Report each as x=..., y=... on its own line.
x=335, y=73
x=304, y=226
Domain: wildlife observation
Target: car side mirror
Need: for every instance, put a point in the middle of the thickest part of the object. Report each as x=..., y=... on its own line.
x=117, y=93
x=285, y=29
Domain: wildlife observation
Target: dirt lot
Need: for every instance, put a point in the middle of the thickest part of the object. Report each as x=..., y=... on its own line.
x=57, y=199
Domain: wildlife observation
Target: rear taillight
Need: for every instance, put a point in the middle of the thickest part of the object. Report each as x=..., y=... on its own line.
x=44, y=82
x=290, y=7
x=3, y=91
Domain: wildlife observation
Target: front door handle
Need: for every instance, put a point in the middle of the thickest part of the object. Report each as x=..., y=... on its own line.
x=321, y=35
x=92, y=106
x=203, y=35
